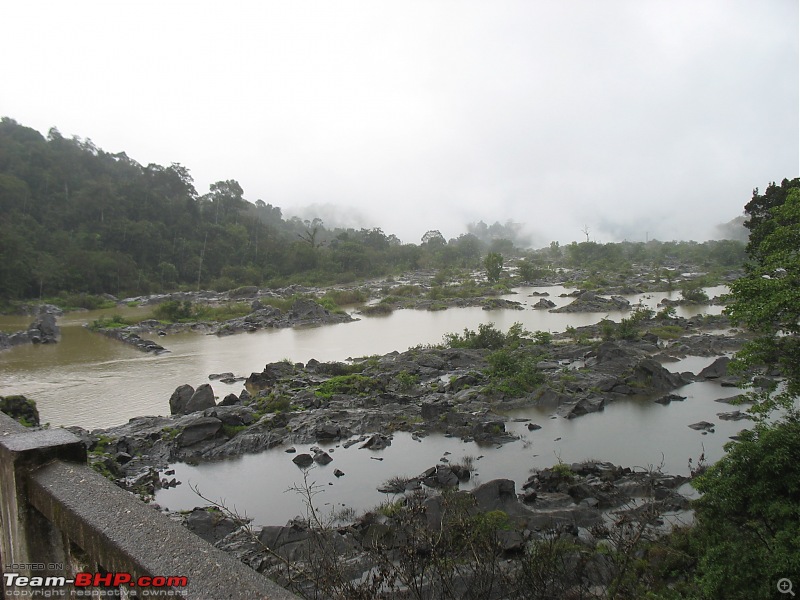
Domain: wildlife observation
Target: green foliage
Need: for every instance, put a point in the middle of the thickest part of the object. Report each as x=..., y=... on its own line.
x=345, y=297
x=563, y=470
x=543, y=338
x=355, y=384
x=766, y=300
x=667, y=332
x=666, y=313
x=112, y=322
x=513, y=372
x=493, y=263
x=749, y=514
x=405, y=380
x=272, y=403
x=487, y=337
x=692, y=291
x=174, y=311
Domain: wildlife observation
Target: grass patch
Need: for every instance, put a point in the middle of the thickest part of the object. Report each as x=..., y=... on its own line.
x=355, y=384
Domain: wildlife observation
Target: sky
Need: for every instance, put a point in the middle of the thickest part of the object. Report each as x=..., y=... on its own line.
x=632, y=119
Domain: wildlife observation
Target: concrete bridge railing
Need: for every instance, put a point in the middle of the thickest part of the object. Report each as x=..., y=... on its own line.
x=58, y=517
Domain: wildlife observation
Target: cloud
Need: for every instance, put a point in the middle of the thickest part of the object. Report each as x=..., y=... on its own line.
x=626, y=116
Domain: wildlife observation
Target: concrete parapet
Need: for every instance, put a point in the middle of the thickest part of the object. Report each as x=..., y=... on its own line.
x=58, y=516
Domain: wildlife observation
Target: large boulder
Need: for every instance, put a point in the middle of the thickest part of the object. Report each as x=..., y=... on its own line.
x=198, y=430
x=716, y=370
x=180, y=398
x=44, y=329
x=202, y=399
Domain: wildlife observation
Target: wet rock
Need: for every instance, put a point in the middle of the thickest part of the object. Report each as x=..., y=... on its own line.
x=432, y=410
x=377, y=442
x=322, y=458
x=717, y=369
x=667, y=398
x=581, y=407
x=210, y=524
x=197, y=430
x=303, y=460
x=544, y=303
x=497, y=494
x=216, y=376
x=202, y=399
x=338, y=473
x=232, y=415
x=327, y=431
x=735, y=415
x=230, y=400
x=180, y=398
x=702, y=426
x=591, y=302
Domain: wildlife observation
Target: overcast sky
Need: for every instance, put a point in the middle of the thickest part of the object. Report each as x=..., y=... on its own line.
x=635, y=118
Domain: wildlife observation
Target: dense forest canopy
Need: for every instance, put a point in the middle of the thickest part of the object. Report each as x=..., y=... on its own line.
x=75, y=218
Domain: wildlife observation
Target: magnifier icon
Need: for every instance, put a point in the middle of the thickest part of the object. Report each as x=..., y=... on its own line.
x=785, y=586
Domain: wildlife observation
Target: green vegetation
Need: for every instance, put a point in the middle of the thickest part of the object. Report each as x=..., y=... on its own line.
x=355, y=384
x=112, y=322
x=493, y=263
x=487, y=337
x=175, y=311
x=406, y=381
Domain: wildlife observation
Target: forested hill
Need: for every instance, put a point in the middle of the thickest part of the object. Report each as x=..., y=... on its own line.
x=77, y=218
x=74, y=218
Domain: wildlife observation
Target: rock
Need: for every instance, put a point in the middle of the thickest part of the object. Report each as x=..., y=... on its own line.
x=180, y=398
x=445, y=476
x=303, y=460
x=717, y=369
x=495, y=494
x=432, y=411
x=735, y=415
x=202, y=399
x=289, y=542
x=544, y=303
x=702, y=426
x=232, y=415
x=667, y=398
x=215, y=376
x=327, y=431
x=272, y=373
x=210, y=524
x=591, y=302
x=198, y=430
x=376, y=442
x=322, y=458
x=44, y=329
x=338, y=473
x=20, y=409
x=581, y=407
x=533, y=427
x=230, y=400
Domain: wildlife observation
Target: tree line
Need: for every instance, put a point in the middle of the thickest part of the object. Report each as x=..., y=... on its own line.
x=74, y=218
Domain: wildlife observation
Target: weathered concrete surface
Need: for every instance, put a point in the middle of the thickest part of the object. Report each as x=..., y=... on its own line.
x=122, y=534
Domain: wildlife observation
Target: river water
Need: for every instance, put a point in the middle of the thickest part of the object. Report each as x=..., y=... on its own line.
x=91, y=381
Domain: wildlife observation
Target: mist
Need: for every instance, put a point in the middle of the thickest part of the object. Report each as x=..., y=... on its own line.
x=637, y=120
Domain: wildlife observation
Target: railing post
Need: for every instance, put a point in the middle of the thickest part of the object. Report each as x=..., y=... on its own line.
x=30, y=543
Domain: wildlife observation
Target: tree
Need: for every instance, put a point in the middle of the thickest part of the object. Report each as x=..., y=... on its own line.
x=766, y=299
x=494, y=266
x=748, y=519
